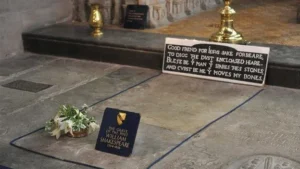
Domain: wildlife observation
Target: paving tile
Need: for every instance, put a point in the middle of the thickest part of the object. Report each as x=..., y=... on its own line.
x=102, y=88
x=17, y=64
x=151, y=142
x=17, y=159
x=63, y=75
x=89, y=94
x=267, y=125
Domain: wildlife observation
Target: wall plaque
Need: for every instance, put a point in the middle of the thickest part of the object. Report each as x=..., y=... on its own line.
x=118, y=132
x=216, y=61
x=136, y=16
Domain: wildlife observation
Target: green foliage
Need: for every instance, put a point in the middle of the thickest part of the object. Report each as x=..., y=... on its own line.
x=69, y=119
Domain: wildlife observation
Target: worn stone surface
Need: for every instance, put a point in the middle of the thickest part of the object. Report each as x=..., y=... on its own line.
x=263, y=161
x=33, y=116
x=89, y=93
x=166, y=118
x=62, y=74
x=181, y=103
x=267, y=125
x=16, y=65
x=151, y=142
x=266, y=128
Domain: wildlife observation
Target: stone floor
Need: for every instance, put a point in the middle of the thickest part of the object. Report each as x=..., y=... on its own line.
x=186, y=122
x=263, y=21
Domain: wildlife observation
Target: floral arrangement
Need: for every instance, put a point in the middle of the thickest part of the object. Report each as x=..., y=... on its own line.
x=70, y=120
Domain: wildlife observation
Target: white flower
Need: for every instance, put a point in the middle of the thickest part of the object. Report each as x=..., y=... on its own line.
x=56, y=133
x=85, y=106
x=58, y=120
x=76, y=119
x=93, y=126
x=69, y=127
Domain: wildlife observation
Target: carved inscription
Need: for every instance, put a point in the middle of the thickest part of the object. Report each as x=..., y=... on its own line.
x=118, y=132
x=115, y=138
x=269, y=138
x=264, y=162
x=216, y=61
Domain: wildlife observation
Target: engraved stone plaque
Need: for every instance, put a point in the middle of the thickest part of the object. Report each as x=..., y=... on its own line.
x=136, y=16
x=216, y=61
x=118, y=132
x=263, y=162
x=27, y=86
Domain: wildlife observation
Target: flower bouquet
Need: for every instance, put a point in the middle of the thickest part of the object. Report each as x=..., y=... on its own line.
x=71, y=121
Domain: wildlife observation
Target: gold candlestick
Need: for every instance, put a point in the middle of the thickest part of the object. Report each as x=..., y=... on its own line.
x=96, y=21
x=227, y=33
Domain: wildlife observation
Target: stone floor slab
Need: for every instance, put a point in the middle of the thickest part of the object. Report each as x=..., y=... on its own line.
x=91, y=93
x=104, y=87
x=62, y=74
x=35, y=116
x=17, y=64
x=194, y=103
x=151, y=143
x=267, y=125
x=181, y=103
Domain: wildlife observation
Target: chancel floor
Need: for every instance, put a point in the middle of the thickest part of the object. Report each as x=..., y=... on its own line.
x=185, y=122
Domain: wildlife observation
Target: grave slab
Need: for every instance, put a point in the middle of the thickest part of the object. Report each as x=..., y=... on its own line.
x=151, y=143
x=181, y=103
x=168, y=117
x=35, y=116
x=264, y=133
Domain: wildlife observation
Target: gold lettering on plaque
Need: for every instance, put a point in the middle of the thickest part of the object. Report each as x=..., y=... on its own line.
x=116, y=138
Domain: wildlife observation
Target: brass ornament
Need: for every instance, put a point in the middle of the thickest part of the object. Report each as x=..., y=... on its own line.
x=227, y=33
x=120, y=118
x=96, y=21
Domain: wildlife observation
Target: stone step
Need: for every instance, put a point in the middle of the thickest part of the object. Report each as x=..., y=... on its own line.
x=142, y=49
